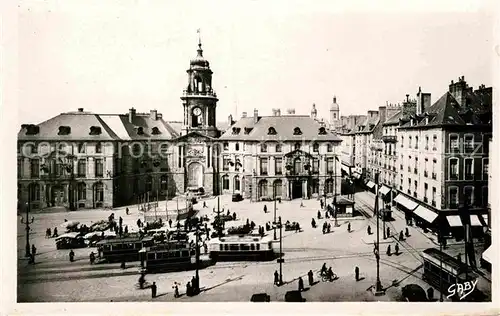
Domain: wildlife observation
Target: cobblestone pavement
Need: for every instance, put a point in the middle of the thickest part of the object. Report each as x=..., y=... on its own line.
x=54, y=278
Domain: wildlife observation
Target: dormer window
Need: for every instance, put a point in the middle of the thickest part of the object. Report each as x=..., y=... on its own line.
x=297, y=146
x=263, y=148
x=32, y=129
x=64, y=130
x=140, y=131
x=155, y=131
x=236, y=130
x=95, y=130
x=316, y=147
x=248, y=130
x=297, y=131
x=271, y=131
x=322, y=131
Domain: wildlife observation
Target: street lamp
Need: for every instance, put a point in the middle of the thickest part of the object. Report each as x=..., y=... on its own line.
x=28, y=222
x=379, y=290
x=274, y=198
x=280, y=259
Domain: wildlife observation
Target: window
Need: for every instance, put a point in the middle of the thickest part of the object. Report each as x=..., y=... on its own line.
x=426, y=188
x=35, y=192
x=98, y=148
x=81, y=148
x=271, y=131
x=225, y=163
x=263, y=188
x=329, y=148
x=163, y=182
x=485, y=168
x=263, y=166
x=468, y=195
x=225, y=182
x=297, y=146
x=155, y=131
x=469, y=143
x=226, y=146
x=236, y=181
x=434, y=196
x=297, y=166
x=297, y=131
x=82, y=191
x=454, y=143
x=278, y=148
x=263, y=148
x=426, y=142
x=237, y=165
x=99, y=188
x=99, y=168
x=409, y=142
x=82, y=168
x=468, y=169
x=416, y=142
x=35, y=168
x=278, y=185
x=453, y=197
x=453, y=168
x=315, y=166
x=315, y=147
x=315, y=186
x=149, y=184
x=402, y=141
x=322, y=131
x=415, y=185
x=278, y=165
x=95, y=130
x=434, y=142
x=237, y=146
x=329, y=164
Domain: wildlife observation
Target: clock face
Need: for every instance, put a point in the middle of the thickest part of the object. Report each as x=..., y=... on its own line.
x=197, y=111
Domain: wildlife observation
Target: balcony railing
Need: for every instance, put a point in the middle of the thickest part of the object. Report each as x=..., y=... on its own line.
x=210, y=93
x=389, y=138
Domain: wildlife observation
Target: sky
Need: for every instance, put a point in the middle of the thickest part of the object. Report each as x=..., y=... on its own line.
x=109, y=56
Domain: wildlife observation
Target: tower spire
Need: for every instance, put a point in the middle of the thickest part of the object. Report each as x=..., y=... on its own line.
x=200, y=51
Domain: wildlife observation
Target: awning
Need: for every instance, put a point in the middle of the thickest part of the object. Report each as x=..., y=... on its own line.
x=454, y=220
x=370, y=184
x=474, y=221
x=345, y=168
x=487, y=254
x=425, y=213
x=356, y=175
x=406, y=202
x=384, y=190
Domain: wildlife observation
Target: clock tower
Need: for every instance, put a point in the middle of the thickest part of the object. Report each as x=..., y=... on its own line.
x=199, y=99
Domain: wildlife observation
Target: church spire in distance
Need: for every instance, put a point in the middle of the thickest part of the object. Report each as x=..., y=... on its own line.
x=200, y=50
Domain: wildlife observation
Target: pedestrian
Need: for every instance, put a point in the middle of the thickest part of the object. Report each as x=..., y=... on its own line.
x=377, y=256
x=71, y=256
x=324, y=227
x=388, y=232
x=170, y=223
x=92, y=257
x=193, y=285
x=407, y=232
x=276, y=278
x=153, y=290
x=126, y=229
x=389, y=250
x=204, y=204
x=396, y=249
x=126, y=211
x=189, y=289
x=55, y=232
x=234, y=216
x=279, y=219
x=369, y=230
x=265, y=208
x=301, y=203
x=205, y=248
x=48, y=233
x=310, y=277
x=139, y=223
x=401, y=236
x=176, y=290
x=122, y=265
x=321, y=203
x=301, y=284
x=349, y=227
x=356, y=273
x=248, y=223
x=252, y=225
x=329, y=227
x=31, y=259
x=326, y=214
x=297, y=227
x=33, y=250
x=319, y=215
x=120, y=231
x=313, y=223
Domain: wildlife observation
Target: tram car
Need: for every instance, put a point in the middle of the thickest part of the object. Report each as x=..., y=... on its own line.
x=170, y=256
x=122, y=249
x=241, y=248
x=438, y=264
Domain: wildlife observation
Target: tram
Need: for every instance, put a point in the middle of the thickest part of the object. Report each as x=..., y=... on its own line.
x=170, y=256
x=241, y=248
x=122, y=249
x=452, y=271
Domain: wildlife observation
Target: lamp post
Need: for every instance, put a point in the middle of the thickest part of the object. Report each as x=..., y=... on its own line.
x=197, y=275
x=378, y=285
x=280, y=259
x=274, y=198
x=28, y=222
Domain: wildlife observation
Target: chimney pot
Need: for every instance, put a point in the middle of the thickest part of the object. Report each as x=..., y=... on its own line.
x=255, y=116
x=80, y=109
x=153, y=115
x=244, y=114
x=131, y=114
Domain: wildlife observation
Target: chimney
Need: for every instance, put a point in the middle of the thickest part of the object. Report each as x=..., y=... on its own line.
x=291, y=111
x=153, y=115
x=255, y=116
x=382, y=110
x=372, y=113
x=459, y=90
x=278, y=112
x=229, y=120
x=243, y=114
x=80, y=109
x=131, y=114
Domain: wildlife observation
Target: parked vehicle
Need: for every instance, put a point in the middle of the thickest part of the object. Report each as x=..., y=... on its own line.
x=237, y=197
x=294, y=296
x=260, y=297
x=414, y=293
x=70, y=241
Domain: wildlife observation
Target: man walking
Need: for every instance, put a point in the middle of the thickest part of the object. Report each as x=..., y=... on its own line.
x=276, y=278
x=369, y=230
x=310, y=277
x=349, y=227
x=153, y=290
x=356, y=273
x=301, y=284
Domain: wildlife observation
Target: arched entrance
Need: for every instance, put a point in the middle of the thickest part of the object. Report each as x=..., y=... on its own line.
x=277, y=187
x=296, y=189
x=236, y=184
x=195, y=175
x=98, y=192
x=263, y=189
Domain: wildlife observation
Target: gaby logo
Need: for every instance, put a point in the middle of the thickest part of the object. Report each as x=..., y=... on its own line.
x=462, y=289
